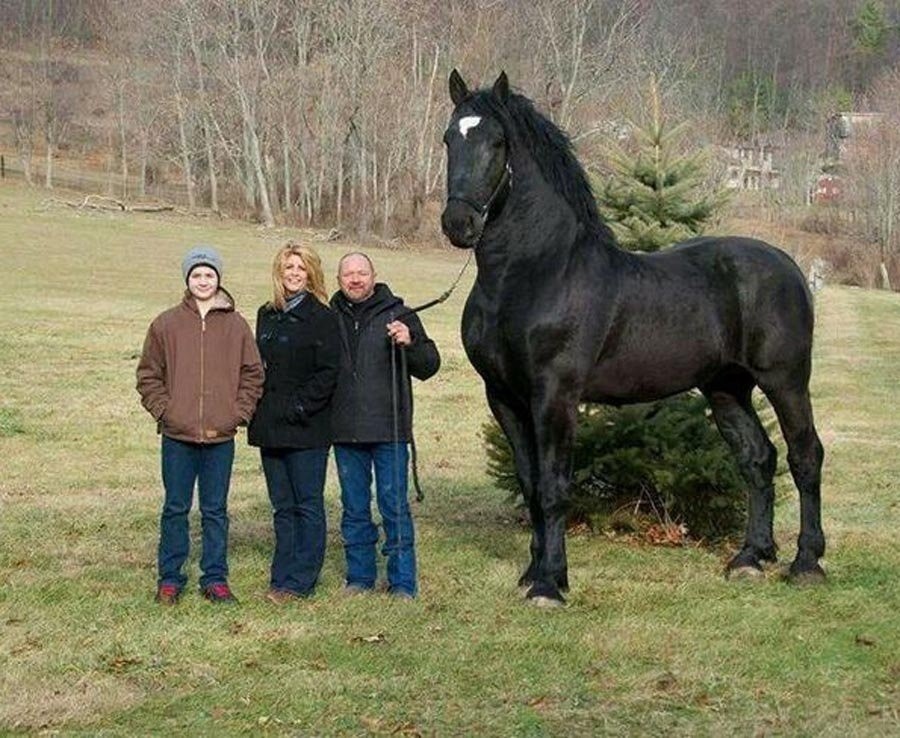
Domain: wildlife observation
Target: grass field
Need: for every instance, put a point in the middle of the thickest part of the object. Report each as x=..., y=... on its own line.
x=654, y=640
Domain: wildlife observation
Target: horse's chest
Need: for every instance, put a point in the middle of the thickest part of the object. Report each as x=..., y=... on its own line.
x=495, y=344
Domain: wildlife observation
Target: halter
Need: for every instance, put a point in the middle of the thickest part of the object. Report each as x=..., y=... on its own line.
x=484, y=210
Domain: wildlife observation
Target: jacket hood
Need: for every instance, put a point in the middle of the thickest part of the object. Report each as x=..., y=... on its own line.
x=221, y=301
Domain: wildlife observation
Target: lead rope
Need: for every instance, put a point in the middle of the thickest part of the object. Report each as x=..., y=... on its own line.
x=431, y=303
x=395, y=412
x=404, y=378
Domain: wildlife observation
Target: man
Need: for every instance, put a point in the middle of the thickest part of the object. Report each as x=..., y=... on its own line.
x=371, y=417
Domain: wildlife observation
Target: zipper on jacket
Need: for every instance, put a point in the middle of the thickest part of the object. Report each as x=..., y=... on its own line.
x=202, y=360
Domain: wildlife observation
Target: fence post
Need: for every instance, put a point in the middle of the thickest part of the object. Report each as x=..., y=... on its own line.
x=2, y=167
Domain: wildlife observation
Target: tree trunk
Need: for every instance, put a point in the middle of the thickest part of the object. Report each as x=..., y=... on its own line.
x=48, y=172
x=205, y=119
x=272, y=179
x=256, y=162
x=386, y=190
x=23, y=136
x=339, y=199
x=185, y=153
x=123, y=138
x=110, y=163
x=289, y=207
x=247, y=176
x=211, y=166
x=145, y=145
x=884, y=276
x=256, y=159
x=306, y=194
x=423, y=149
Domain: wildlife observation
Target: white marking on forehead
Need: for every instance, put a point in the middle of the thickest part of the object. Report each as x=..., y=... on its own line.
x=470, y=121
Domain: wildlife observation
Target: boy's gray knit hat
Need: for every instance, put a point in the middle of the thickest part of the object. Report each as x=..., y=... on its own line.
x=201, y=255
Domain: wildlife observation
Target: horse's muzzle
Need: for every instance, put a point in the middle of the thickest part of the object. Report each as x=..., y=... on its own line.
x=462, y=224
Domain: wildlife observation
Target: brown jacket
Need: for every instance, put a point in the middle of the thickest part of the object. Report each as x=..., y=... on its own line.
x=200, y=377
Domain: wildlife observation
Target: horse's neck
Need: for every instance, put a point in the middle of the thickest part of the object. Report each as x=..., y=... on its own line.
x=537, y=230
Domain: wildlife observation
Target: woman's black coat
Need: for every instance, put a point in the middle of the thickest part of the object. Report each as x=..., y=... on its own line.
x=301, y=351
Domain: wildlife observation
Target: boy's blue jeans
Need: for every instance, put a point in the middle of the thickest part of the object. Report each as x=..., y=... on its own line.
x=355, y=463
x=183, y=465
x=295, y=479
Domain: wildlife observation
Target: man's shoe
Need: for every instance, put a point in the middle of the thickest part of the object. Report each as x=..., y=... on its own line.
x=168, y=594
x=352, y=590
x=401, y=594
x=281, y=596
x=219, y=592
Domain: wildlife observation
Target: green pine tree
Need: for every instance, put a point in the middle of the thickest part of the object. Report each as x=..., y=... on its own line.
x=871, y=28
x=655, y=196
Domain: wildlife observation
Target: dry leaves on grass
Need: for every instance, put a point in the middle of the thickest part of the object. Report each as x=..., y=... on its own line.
x=382, y=726
x=542, y=703
x=666, y=535
x=121, y=663
x=376, y=638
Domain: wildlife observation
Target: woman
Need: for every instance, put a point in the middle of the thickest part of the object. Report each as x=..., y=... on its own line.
x=199, y=377
x=298, y=339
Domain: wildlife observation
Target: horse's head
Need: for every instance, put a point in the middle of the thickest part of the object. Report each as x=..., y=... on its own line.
x=477, y=163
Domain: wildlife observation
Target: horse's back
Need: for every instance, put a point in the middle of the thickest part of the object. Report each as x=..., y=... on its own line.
x=750, y=259
x=775, y=304
x=759, y=275
x=689, y=312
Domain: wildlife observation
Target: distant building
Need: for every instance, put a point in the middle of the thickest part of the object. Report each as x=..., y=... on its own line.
x=826, y=188
x=752, y=167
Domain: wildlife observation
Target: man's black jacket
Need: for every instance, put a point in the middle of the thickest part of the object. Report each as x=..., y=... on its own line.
x=362, y=410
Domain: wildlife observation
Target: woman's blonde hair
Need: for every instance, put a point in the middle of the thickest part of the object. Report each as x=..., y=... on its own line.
x=315, y=278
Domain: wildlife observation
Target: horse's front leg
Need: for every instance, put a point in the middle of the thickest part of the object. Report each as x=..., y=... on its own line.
x=554, y=424
x=515, y=420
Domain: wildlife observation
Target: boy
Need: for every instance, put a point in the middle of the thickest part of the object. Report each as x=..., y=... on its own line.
x=199, y=376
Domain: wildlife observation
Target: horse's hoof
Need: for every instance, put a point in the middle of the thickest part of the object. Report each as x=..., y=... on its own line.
x=744, y=573
x=807, y=577
x=545, y=603
x=544, y=595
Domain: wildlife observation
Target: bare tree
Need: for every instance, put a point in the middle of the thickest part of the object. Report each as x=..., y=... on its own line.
x=873, y=174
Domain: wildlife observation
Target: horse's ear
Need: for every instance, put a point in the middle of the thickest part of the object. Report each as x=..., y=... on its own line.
x=501, y=88
x=458, y=89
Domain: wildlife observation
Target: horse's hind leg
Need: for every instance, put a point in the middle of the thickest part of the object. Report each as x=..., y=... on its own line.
x=739, y=425
x=805, y=456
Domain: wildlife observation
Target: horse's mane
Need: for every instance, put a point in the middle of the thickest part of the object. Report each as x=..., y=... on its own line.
x=549, y=147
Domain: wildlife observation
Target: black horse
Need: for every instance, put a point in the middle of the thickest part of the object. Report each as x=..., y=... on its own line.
x=559, y=314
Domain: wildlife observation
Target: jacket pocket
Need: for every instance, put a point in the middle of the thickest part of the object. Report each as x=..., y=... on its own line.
x=178, y=421
x=221, y=416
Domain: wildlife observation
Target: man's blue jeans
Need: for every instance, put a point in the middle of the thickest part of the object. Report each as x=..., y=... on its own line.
x=355, y=463
x=209, y=466
x=295, y=479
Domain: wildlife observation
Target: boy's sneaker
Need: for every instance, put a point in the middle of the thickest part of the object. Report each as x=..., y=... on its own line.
x=219, y=592
x=168, y=594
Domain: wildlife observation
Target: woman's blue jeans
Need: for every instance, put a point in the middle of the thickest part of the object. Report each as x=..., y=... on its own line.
x=209, y=466
x=296, y=479
x=355, y=463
